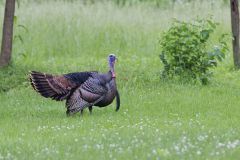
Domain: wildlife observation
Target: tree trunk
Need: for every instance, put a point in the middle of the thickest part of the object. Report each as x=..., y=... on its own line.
x=235, y=32
x=7, y=34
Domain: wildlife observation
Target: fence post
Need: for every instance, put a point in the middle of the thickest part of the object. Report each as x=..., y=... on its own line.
x=235, y=32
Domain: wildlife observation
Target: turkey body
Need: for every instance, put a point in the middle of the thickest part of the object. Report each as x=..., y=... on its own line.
x=80, y=90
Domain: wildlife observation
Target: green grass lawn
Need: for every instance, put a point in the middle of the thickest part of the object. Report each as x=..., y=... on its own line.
x=157, y=119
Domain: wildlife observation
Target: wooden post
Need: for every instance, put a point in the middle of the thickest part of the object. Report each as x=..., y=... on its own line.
x=7, y=34
x=235, y=32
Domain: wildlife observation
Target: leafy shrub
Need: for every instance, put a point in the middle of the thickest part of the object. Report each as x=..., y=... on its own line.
x=185, y=53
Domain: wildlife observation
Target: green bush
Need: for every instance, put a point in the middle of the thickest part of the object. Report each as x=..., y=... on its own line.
x=185, y=50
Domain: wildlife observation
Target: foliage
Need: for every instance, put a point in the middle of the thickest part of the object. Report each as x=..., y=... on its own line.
x=13, y=76
x=17, y=27
x=185, y=53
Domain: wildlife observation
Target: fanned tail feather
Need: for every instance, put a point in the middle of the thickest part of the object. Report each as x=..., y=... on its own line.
x=44, y=84
x=40, y=84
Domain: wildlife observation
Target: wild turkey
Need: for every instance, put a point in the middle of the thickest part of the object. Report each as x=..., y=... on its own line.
x=80, y=89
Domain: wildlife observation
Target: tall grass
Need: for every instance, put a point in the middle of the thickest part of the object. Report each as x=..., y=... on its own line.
x=57, y=30
x=158, y=120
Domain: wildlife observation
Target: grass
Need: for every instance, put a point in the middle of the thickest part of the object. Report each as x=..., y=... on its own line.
x=157, y=119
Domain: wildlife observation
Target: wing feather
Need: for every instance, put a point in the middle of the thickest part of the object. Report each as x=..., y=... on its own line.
x=88, y=94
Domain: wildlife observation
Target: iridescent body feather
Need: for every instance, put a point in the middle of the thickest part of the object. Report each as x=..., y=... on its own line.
x=80, y=89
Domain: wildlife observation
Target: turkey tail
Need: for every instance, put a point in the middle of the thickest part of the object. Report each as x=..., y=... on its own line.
x=49, y=86
x=117, y=101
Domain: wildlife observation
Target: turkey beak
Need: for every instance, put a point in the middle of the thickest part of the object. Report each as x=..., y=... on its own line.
x=116, y=59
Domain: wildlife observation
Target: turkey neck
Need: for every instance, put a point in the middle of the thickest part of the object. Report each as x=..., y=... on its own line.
x=112, y=70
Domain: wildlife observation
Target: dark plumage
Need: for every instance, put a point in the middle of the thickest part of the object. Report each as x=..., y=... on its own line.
x=80, y=89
